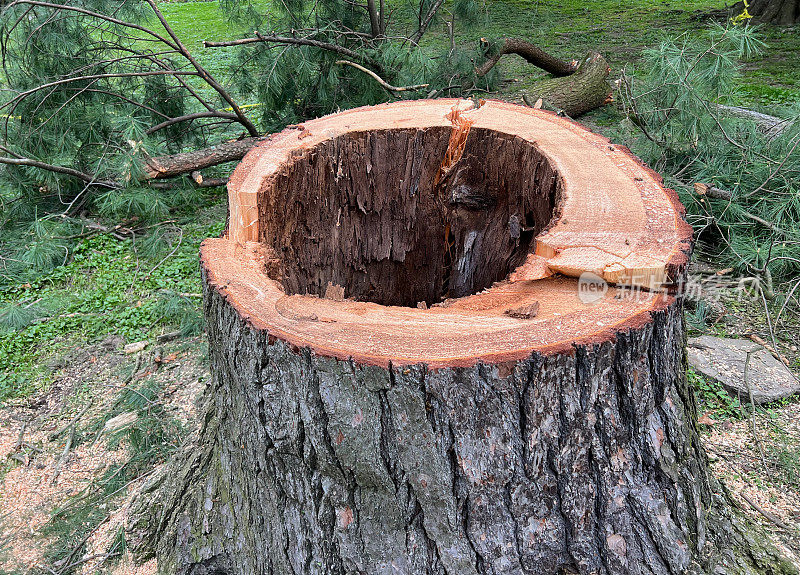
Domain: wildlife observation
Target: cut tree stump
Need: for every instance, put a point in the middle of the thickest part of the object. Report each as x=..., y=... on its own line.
x=470, y=397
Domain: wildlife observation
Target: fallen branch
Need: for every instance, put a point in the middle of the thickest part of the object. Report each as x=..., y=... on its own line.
x=772, y=126
x=578, y=93
x=769, y=516
x=532, y=54
x=188, y=162
x=380, y=80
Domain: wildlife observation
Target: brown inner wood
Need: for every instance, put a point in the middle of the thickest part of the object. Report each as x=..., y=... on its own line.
x=362, y=211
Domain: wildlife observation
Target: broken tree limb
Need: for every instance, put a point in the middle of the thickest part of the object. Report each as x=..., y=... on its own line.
x=188, y=162
x=772, y=126
x=532, y=54
x=578, y=93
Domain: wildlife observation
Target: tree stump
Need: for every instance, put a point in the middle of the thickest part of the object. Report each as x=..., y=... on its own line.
x=419, y=368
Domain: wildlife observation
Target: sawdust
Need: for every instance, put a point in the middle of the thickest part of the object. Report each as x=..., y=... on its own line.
x=736, y=459
x=28, y=494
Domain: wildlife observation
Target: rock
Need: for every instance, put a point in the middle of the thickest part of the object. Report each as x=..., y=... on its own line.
x=724, y=360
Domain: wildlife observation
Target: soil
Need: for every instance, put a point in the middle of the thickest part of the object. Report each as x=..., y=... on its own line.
x=89, y=379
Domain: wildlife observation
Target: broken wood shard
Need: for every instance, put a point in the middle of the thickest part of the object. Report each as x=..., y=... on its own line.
x=527, y=311
x=463, y=411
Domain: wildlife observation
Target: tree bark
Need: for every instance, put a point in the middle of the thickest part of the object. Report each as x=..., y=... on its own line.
x=583, y=91
x=532, y=54
x=188, y=162
x=508, y=429
x=782, y=12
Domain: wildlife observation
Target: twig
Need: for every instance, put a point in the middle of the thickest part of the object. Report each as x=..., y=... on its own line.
x=753, y=408
x=102, y=556
x=21, y=436
x=272, y=39
x=135, y=370
x=64, y=454
x=380, y=80
x=73, y=421
x=772, y=518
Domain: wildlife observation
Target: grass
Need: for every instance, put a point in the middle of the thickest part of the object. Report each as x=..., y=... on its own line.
x=109, y=287
x=620, y=30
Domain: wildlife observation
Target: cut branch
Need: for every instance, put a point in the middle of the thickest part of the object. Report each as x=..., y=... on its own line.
x=380, y=80
x=188, y=162
x=578, y=93
x=772, y=126
x=532, y=54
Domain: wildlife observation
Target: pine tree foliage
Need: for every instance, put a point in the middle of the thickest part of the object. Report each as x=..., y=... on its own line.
x=748, y=211
x=92, y=89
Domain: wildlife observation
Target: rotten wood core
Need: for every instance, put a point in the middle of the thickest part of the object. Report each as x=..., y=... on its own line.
x=365, y=211
x=436, y=222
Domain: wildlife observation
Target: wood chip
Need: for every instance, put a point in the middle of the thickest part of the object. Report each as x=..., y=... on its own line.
x=334, y=292
x=135, y=347
x=527, y=311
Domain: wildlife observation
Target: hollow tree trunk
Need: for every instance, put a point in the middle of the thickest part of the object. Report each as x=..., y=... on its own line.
x=449, y=405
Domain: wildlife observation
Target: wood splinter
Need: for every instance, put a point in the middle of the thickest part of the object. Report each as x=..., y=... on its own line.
x=527, y=311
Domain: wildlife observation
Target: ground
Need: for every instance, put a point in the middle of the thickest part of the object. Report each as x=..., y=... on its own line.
x=83, y=423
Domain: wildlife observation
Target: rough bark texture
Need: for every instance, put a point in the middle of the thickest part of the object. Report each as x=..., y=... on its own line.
x=532, y=54
x=785, y=12
x=587, y=462
x=578, y=93
x=188, y=162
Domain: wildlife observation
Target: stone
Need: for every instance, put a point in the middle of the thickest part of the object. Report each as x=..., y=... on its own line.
x=723, y=360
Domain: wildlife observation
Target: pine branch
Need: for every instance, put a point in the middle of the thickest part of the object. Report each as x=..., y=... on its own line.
x=57, y=169
x=203, y=73
x=98, y=15
x=16, y=99
x=425, y=22
x=380, y=80
x=189, y=118
x=297, y=42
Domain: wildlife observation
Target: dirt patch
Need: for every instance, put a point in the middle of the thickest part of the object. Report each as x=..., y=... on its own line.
x=772, y=490
x=38, y=475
